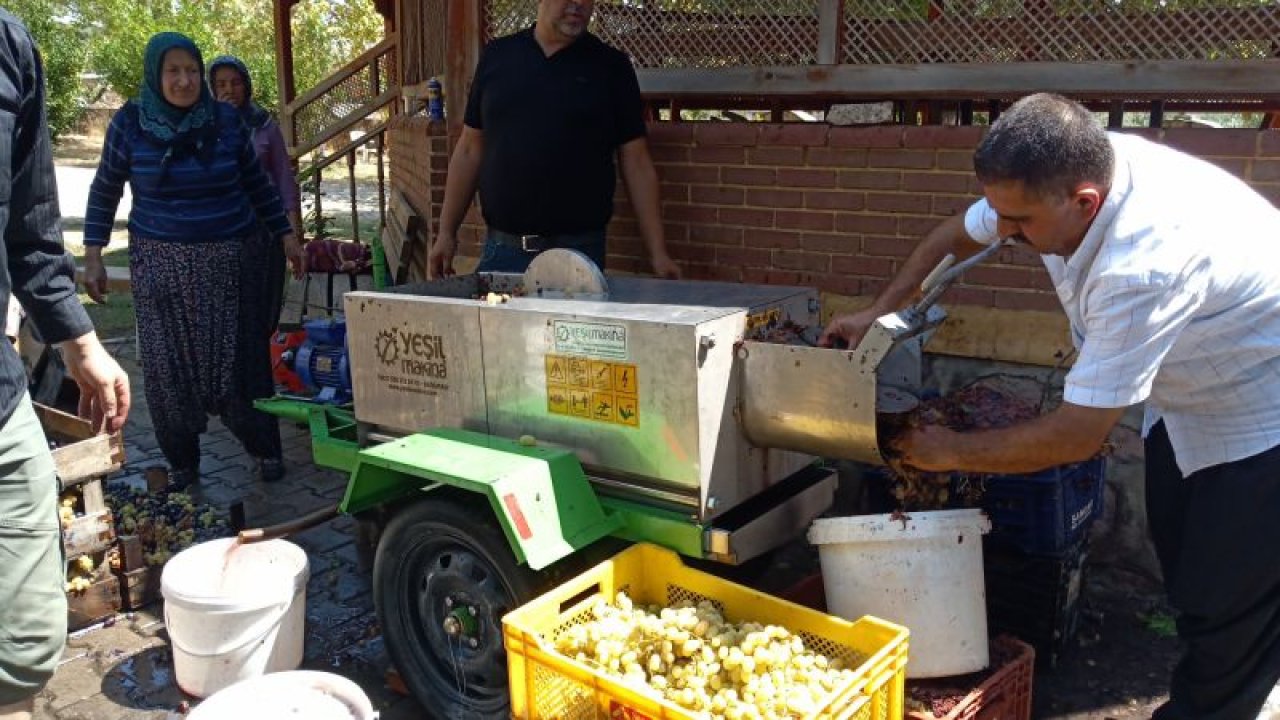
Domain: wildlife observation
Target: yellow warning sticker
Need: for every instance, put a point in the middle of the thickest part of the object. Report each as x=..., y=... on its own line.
x=558, y=399
x=580, y=402
x=764, y=320
x=593, y=389
x=601, y=375
x=627, y=411
x=557, y=370
x=602, y=406
x=579, y=372
x=626, y=379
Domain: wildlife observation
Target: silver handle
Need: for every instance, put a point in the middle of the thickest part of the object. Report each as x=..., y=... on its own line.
x=941, y=278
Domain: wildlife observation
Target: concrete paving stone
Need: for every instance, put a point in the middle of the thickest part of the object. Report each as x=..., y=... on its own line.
x=334, y=493
x=347, y=643
x=217, y=494
x=72, y=682
x=297, y=454
x=346, y=586
x=148, y=622
x=222, y=448
x=236, y=478
x=143, y=681
x=106, y=646
x=324, y=615
x=103, y=708
x=323, y=539
x=302, y=504
x=212, y=465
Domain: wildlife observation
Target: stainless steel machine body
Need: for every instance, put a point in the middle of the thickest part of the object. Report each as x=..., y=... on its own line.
x=659, y=389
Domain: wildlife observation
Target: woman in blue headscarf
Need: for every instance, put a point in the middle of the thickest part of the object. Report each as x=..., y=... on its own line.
x=199, y=197
x=230, y=82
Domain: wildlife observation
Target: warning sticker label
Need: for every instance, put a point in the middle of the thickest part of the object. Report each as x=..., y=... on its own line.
x=592, y=389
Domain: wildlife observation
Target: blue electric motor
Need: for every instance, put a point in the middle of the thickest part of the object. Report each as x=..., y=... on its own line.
x=322, y=362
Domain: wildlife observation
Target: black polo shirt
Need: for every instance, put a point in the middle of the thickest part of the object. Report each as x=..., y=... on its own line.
x=551, y=128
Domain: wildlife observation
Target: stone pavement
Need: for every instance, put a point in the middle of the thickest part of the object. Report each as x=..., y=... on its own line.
x=122, y=670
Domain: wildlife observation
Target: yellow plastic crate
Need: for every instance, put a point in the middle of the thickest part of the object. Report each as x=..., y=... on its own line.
x=547, y=685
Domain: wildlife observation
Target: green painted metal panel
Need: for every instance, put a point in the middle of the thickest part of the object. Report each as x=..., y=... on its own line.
x=644, y=523
x=333, y=438
x=544, y=501
x=295, y=410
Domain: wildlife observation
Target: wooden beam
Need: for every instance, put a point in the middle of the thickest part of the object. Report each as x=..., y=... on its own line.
x=463, y=41
x=1179, y=79
x=282, y=20
x=830, y=31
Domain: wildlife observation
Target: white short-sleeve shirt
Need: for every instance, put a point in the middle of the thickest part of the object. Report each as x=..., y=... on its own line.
x=1174, y=298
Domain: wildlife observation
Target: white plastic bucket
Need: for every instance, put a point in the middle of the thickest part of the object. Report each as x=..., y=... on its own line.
x=922, y=570
x=234, y=611
x=302, y=694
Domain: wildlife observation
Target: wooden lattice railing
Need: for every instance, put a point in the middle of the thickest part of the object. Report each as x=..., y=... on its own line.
x=1206, y=49
x=358, y=90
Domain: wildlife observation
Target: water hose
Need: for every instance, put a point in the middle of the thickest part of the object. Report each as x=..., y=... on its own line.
x=283, y=529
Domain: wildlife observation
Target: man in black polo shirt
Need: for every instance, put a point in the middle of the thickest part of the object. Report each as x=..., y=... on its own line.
x=549, y=107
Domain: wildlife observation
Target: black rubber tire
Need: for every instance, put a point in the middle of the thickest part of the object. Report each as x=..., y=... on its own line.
x=448, y=545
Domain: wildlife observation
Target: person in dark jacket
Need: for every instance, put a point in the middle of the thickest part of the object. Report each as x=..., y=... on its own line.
x=36, y=270
x=200, y=196
x=230, y=81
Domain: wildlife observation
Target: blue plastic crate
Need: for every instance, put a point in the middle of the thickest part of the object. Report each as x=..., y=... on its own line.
x=1045, y=513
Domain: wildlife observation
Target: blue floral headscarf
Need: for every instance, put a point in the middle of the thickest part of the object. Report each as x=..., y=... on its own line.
x=181, y=129
x=252, y=113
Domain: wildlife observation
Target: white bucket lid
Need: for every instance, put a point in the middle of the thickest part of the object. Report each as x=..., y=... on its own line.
x=223, y=574
x=302, y=694
x=898, y=526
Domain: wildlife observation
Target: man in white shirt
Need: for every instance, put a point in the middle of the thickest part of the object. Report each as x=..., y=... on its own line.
x=1169, y=271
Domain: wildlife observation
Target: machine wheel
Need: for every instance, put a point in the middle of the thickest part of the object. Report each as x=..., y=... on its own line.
x=442, y=579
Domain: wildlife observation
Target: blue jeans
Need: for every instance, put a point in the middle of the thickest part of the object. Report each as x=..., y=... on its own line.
x=504, y=256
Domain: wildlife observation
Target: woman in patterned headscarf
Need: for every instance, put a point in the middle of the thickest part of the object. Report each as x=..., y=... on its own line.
x=199, y=195
x=230, y=82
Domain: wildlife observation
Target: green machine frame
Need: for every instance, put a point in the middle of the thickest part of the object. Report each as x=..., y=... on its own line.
x=544, y=502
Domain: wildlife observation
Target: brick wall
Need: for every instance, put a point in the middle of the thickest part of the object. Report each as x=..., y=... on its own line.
x=419, y=151
x=828, y=207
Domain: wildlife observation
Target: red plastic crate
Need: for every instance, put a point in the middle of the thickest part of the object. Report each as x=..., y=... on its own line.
x=1004, y=695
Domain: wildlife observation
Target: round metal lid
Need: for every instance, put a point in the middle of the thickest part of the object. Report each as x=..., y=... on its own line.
x=565, y=273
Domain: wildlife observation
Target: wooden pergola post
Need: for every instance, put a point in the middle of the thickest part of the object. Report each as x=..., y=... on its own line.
x=282, y=19
x=463, y=41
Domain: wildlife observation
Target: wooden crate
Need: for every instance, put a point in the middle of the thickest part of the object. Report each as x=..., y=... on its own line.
x=89, y=533
x=139, y=582
x=100, y=601
x=82, y=458
x=82, y=455
x=139, y=588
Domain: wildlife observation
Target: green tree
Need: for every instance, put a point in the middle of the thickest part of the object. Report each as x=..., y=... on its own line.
x=63, y=53
x=327, y=33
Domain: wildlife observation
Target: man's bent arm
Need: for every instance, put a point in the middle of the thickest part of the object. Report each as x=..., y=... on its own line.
x=1068, y=434
x=641, y=179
